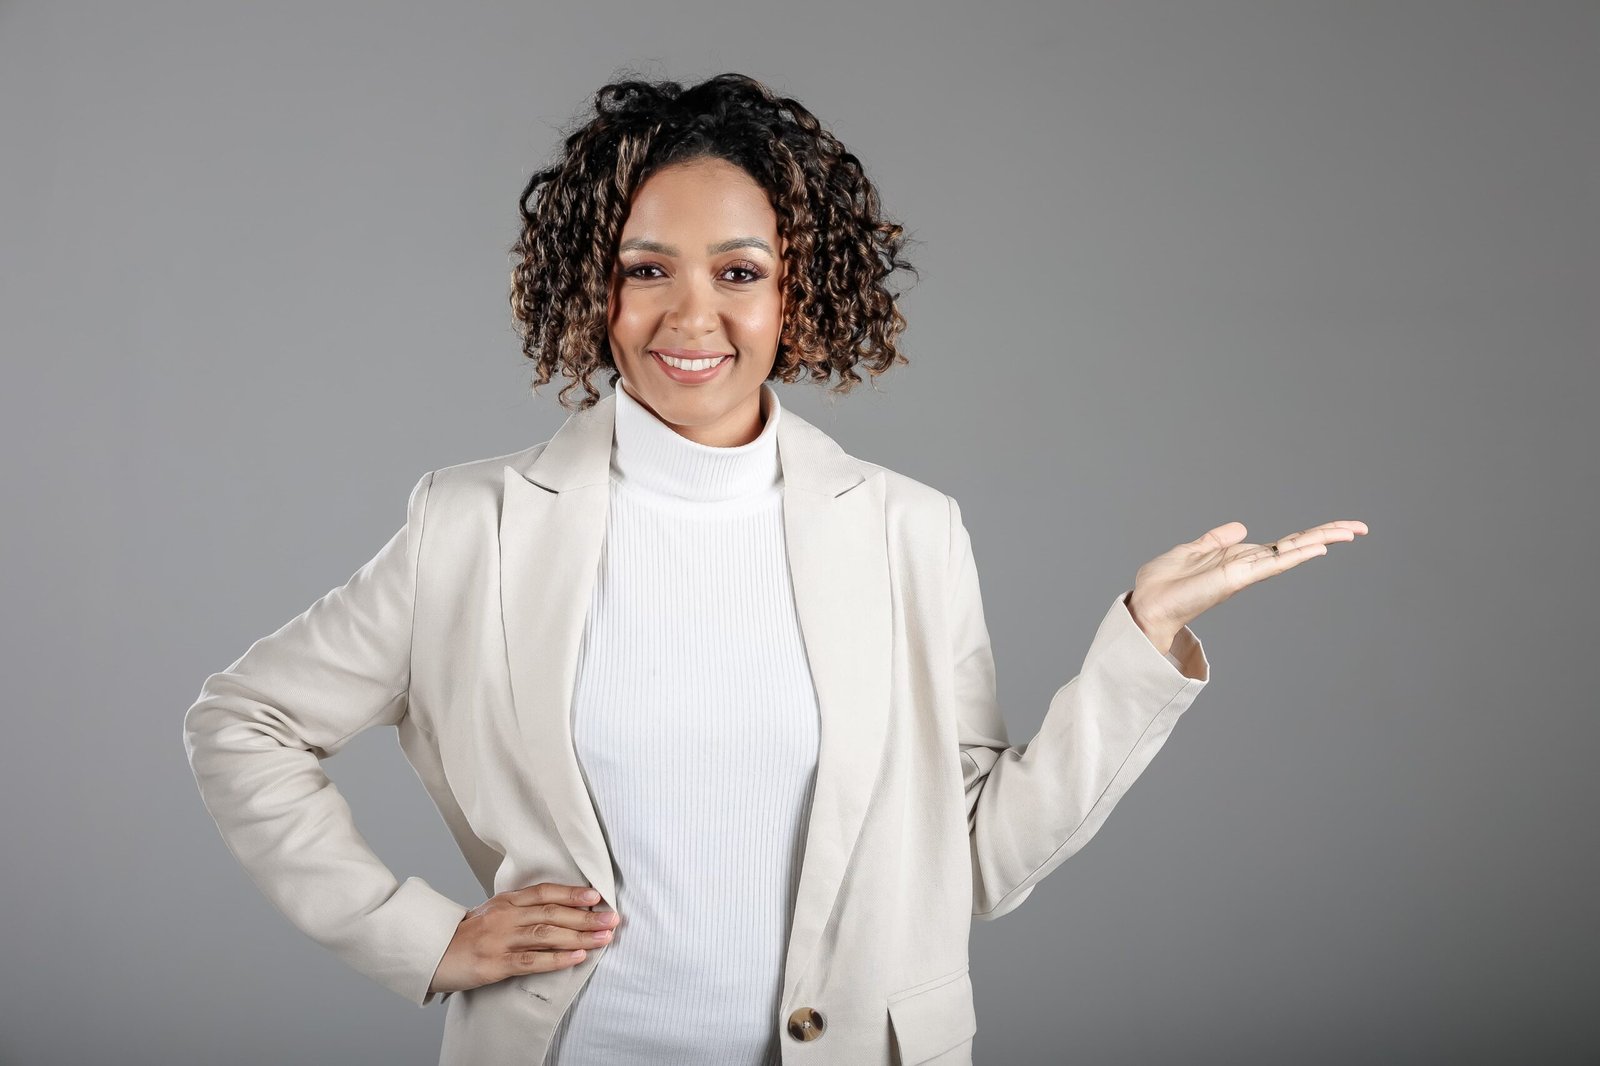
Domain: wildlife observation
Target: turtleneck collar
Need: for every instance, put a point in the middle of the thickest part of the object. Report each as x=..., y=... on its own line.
x=649, y=454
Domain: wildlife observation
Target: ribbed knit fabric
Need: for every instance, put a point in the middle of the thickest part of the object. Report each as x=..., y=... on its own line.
x=696, y=726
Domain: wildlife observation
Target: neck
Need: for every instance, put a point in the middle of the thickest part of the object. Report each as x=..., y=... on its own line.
x=648, y=453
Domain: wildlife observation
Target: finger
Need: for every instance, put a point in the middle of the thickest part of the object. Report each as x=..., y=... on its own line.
x=537, y=961
x=1351, y=526
x=1263, y=564
x=550, y=892
x=553, y=936
x=1327, y=533
x=571, y=917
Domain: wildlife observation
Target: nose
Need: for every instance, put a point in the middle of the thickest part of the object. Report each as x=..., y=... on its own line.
x=694, y=310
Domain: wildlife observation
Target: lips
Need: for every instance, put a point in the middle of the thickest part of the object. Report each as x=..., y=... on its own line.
x=689, y=353
x=718, y=363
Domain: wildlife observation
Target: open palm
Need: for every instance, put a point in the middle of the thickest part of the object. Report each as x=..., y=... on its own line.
x=1179, y=585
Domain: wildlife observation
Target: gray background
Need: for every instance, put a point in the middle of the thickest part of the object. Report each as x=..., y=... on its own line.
x=1182, y=263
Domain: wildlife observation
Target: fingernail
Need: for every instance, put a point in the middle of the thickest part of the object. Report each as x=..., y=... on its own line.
x=591, y=895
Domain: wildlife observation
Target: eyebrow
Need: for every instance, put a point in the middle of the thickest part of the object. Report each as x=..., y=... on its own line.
x=644, y=244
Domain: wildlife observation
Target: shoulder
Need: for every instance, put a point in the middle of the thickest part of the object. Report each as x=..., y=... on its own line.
x=904, y=492
x=484, y=475
x=473, y=489
x=917, y=515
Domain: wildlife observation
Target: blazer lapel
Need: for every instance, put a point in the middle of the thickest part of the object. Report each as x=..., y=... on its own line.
x=552, y=527
x=833, y=523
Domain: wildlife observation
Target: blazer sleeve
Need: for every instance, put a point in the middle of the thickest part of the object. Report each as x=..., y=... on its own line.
x=256, y=738
x=1032, y=806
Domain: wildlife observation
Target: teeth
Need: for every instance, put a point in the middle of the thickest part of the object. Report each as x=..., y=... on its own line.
x=690, y=364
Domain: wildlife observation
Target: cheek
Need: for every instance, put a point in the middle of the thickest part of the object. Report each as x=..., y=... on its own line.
x=763, y=318
x=630, y=317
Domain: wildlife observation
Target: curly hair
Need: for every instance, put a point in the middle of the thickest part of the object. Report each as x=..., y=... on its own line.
x=839, y=249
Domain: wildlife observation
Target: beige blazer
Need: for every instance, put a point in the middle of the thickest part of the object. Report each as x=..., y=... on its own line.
x=463, y=633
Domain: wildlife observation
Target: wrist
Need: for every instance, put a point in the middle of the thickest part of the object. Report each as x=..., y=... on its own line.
x=1158, y=635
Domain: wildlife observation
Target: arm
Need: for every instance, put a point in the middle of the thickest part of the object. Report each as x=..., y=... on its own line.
x=256, y=738
x=1031, y=807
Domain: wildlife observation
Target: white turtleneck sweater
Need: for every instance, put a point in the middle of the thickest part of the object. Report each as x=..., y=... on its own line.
x=696, y=726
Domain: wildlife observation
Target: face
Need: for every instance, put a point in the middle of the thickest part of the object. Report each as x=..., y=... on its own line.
x=699, y=272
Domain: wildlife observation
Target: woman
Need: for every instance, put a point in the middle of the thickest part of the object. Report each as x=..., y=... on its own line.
x=690, y=657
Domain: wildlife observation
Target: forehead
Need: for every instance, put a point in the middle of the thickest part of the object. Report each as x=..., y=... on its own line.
x=700, y=203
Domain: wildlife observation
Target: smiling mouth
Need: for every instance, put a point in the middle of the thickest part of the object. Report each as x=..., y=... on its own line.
x=691, y=363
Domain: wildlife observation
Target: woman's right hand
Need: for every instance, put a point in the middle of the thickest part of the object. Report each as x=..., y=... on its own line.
x=536, y=929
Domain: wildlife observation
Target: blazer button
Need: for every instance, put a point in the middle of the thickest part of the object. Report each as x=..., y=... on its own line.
x=806, y=1024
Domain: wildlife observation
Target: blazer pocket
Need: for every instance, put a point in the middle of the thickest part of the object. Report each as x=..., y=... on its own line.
x=930, y=1020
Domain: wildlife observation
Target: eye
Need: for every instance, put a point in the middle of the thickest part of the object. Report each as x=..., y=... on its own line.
x=755, y=272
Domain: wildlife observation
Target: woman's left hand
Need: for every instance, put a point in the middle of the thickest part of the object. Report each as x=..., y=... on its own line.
x=1178, y=586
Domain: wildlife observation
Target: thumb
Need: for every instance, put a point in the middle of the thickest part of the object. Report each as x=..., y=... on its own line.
x=1223, y=536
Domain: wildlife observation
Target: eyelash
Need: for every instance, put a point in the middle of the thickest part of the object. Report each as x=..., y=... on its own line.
x=749, y=268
